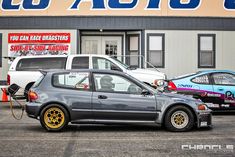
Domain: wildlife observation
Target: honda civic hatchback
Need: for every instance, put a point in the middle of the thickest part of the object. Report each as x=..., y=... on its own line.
x=109, y=97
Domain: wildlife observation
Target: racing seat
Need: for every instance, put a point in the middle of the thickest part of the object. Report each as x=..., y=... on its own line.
x=133, y=89
x=106, y=83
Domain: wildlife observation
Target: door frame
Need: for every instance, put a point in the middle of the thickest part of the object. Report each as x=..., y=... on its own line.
x=105, y=35
x=128, y=47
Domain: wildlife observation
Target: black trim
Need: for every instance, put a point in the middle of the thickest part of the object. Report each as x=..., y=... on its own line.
x=118, y=22
x=163, y=48
x=79, y=42
x=142, y=48
x=0, y=49
x=214, y=50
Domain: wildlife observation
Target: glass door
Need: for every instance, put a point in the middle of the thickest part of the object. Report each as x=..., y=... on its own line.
x=91, y=45
x=112, y=46
x=103, y=45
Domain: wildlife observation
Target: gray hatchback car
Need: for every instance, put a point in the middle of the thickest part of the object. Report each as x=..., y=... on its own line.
x=109, y=97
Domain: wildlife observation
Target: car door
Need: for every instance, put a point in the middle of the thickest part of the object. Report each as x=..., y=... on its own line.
x=116, y=97
x=76, y=92
x=224, y=84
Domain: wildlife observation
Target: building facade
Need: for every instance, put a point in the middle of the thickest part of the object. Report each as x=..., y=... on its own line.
x=175, y=36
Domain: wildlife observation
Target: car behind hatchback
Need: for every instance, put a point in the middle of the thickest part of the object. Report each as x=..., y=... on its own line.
x=214, y=87
x=109, y=97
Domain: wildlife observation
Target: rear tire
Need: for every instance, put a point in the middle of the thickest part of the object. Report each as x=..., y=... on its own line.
x=54, y=117
x=179, y=119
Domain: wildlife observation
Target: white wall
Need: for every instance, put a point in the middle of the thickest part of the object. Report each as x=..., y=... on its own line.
x=181, y=51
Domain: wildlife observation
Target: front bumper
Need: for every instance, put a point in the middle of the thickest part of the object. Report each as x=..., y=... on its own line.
x=204, y=119
x=32, y=109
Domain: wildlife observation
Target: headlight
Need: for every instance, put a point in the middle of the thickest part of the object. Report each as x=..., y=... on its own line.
x=201, y=107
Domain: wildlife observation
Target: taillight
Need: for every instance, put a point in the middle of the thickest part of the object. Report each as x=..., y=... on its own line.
x=171, y=86
x=8, y=79
x=32, y=96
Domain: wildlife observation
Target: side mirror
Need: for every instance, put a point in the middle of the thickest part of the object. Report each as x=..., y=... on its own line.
x=113, y=67
x=145, y=92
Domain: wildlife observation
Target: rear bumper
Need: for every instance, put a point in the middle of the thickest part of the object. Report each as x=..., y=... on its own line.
x=32, y=109
x=204, y=119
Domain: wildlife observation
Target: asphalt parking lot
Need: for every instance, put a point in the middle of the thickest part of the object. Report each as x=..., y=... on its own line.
x=27, y=138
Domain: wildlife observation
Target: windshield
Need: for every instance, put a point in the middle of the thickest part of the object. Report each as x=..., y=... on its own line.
x=121, y=63
x=148, y=87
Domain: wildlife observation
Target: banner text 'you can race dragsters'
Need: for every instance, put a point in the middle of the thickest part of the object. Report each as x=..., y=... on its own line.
x=28, y=44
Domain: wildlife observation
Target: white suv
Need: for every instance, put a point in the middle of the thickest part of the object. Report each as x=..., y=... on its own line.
x=24, y=71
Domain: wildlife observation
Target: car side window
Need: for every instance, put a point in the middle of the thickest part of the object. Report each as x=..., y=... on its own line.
x=104, y=64
x=203, y=79
x=115, y=84
x=32, y=64
x=224, y=79
x=73, y=80
x=80, y=63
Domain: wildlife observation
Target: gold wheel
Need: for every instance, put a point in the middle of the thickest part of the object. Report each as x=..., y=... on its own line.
x=179, y=119
x=54, y=117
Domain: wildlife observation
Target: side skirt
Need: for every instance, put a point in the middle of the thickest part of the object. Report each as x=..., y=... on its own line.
x=101, y=121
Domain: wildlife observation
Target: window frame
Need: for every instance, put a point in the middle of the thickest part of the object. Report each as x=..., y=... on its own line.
x=115, y=92
x=213, y=81
x=213, y=51
x=79, y=58
x=209, y=79
x=163, y=49
x=63, y=87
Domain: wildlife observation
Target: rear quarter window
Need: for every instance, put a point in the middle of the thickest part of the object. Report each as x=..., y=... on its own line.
x=203, y=79
x=33, y=64
x=72, y=80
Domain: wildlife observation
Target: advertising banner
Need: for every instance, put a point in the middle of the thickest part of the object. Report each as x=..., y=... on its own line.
x=30, y=44
x=204, y=8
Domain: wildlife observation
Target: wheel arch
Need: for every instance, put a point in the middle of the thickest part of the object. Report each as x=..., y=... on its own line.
x=178, y=104
x=54, y=102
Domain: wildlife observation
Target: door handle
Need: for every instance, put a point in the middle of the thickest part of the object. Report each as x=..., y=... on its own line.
x=221, y=89
x=102, y=97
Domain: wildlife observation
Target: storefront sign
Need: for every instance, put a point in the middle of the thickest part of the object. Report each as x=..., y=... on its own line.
x=221, y=8
x=24, y=44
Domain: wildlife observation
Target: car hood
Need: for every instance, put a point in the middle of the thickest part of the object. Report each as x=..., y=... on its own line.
x=148, y=72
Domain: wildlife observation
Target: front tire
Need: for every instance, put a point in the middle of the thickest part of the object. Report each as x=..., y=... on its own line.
x=179, y=119
x=54, y=117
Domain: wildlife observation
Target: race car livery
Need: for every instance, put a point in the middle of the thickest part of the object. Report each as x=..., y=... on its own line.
x=214, y=87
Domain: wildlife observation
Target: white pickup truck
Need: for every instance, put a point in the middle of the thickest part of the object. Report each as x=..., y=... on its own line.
x=24, y=71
